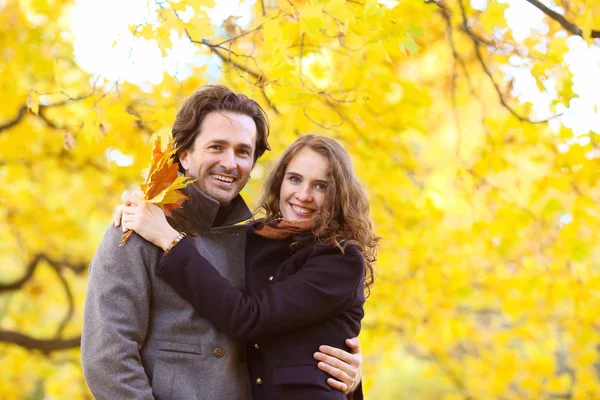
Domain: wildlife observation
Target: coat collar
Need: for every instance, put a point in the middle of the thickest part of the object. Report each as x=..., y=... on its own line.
x=200, y=211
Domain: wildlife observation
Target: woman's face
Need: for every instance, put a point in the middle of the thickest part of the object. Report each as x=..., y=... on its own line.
x=304, y=188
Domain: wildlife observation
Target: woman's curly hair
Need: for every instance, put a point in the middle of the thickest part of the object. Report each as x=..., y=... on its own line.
x=345, y=219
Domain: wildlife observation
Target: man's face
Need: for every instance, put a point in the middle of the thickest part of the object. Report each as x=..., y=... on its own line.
x=222, y=155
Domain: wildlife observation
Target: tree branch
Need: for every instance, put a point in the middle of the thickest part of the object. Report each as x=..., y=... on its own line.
x=262, y=8
x=23, y=109
x=456, y=380
x=16, y=285
x=46, y=346
x=488, y=72
x=239, y=36
x=574, y=29
x=30, y=269
x=20, y=114
x=447, y=15
x=70, y=300
x=320, y=125
x=75, y=267
x=42, y=115
x=300, y=63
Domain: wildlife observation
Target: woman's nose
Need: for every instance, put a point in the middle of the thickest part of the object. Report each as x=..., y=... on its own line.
x=304, y=194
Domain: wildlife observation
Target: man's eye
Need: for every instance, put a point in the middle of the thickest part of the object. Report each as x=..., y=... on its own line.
x=216, y=147
x=244, y=152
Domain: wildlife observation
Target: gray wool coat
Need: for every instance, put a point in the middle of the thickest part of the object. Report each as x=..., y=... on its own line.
x=141, y=340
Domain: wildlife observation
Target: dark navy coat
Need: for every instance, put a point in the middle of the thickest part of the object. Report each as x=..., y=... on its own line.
x=295, y=301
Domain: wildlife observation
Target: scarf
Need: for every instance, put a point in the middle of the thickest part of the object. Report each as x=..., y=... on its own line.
x=281, y=229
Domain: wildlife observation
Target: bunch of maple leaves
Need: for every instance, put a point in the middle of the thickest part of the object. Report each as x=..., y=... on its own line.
x=163, y=183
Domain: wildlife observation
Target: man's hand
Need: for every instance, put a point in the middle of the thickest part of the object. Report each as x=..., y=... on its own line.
x=344, y=366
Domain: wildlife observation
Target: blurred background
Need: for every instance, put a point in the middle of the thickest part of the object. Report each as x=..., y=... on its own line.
x=473, y=124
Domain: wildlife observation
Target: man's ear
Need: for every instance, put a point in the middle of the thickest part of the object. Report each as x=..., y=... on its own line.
x=183, y=159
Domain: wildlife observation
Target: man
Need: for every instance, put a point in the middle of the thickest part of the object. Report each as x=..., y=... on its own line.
x=140, y=339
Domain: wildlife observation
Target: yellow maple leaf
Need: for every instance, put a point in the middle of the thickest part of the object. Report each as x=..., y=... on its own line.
x=163, y=182
x=33, y=102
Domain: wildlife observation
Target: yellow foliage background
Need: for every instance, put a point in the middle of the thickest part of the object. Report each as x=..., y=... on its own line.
x=489, y=275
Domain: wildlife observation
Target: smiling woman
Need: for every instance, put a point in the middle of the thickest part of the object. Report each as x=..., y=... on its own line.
x=303, y=191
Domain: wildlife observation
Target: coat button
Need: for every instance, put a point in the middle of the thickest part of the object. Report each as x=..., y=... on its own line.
x=258, y=381
x=218, y=352
x=270, y=278
x=194, y=232
x=256, y=346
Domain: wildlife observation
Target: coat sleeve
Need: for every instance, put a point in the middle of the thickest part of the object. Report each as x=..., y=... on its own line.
x=357, y=394
x=323, y=287
x=115, y=319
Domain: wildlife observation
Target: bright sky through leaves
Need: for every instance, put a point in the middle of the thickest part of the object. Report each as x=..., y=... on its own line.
x=140, y=61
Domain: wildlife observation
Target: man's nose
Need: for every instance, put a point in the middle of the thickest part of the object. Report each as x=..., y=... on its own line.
x=227, y=160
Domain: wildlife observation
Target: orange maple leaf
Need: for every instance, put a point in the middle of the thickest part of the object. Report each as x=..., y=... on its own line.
x=163, y=182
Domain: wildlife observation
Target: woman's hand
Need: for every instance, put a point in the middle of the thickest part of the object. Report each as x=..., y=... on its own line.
x=148, y=221
x=118, y=212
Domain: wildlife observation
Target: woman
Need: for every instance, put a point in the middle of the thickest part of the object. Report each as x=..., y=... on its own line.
x=308, y=264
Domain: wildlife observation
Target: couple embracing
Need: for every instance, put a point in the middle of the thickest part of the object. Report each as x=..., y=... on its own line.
x=199, y=306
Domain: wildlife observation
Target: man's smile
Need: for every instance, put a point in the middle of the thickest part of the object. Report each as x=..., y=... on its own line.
x=223, y=178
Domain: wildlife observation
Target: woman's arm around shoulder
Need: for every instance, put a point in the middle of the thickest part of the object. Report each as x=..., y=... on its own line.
x=324, y=286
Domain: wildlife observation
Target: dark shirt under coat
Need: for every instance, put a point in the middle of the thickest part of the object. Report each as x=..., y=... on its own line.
x=294, y=302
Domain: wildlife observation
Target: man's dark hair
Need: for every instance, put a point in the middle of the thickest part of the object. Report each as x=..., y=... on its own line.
x=217, y=98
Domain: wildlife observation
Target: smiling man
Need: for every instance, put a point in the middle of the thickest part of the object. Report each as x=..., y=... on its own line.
x=141, y=340
x=221, y=163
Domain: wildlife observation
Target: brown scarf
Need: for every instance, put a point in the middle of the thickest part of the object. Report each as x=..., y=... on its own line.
x=281, y=229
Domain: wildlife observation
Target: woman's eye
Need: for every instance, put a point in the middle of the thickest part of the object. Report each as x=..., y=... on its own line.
x=321, y=187
x=294, y=179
